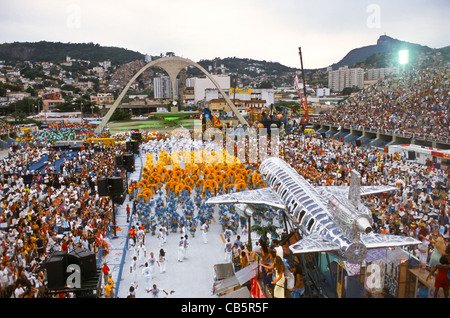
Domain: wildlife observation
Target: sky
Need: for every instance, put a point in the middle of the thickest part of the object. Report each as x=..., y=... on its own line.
x=270, y=30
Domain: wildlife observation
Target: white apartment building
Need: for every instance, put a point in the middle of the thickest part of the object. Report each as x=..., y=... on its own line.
x=246, y=94
x=322, y=91
x=162, y=87
x=376, y=74
x=201, y=84
x=345, y=77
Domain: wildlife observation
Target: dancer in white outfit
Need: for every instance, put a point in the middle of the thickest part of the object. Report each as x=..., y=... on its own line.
x=228, y=249
x=181, y=249
x=186, y=246
x=133, y=269
x=151, y=263
x=162, y=261
x=204, y=229
x=147, y=272
x=142, y=253
x=161, y=237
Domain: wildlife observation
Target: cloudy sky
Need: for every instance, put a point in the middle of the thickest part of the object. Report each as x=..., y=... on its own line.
x=270, y=30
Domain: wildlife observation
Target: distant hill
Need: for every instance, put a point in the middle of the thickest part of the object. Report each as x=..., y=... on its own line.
x=371, y=56
x=246, y=66
x=385, y=44
x=57, y=52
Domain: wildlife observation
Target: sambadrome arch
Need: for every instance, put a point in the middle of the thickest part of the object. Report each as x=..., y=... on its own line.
x=172, y=65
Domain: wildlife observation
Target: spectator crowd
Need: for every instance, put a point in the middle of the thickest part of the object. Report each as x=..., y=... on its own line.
x=49, y=197
x=414, y=104
x=55, y=207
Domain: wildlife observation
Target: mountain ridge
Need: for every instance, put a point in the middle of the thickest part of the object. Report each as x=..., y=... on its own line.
x=57, y=52
x=384, y=44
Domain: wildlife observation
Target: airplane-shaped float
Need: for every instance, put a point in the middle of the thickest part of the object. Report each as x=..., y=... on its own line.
x=329, y=218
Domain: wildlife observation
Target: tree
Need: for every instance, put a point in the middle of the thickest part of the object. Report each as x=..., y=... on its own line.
x=25, y=106
x=262, y=228
x=120, y=114
x=265, y=84
x=349, y=90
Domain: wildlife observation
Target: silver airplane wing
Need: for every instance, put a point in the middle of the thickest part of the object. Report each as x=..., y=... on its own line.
x=340, y=191
x=260, y=196
x=368, y=190
x=313, y=244
x=376, y=240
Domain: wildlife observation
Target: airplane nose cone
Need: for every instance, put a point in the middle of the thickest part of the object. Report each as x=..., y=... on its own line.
x=356, y=253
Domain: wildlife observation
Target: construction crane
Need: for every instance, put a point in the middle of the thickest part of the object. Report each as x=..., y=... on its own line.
x=305, y=118
x=303, y=97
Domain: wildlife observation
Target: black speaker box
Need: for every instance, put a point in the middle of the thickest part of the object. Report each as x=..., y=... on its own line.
x=103, y=187
x=86, y=260
x=136, y=136
x=118, y=198
x=56, y=272
x=119, y=161
x=128, y=162
x=27, y=179
x=411, y=155
x=115, y=185
x=132, y=146
x=358, y=143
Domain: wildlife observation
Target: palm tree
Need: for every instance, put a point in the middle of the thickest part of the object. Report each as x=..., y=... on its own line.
x=262, y=229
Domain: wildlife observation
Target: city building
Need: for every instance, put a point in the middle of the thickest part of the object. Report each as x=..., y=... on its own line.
x=243, y=106
x=102, y=99
x=244, y=94
x=15, y=96
x=345, y=77
x=376, y=74
x=162, y=87
x=51, y=99
x=322, y=91
x=201, y=84
x=188, y=96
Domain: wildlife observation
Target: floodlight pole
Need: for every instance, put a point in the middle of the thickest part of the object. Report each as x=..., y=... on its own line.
x=114, y=218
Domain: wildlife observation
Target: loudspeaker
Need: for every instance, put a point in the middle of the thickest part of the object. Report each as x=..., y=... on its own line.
x=358, y=143
x=132, y=146
x=56, y=266
x=75, y=145
x=61, y=145
x=119, y=161
x=115, y=185
x=103, y=187
x=128, y=162
x=411, y=155
x=118, y=198
x=136, y=136
x=27, y=179
x=86, y=260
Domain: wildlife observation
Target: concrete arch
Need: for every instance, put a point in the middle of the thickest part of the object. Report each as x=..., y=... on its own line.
x=172, y=65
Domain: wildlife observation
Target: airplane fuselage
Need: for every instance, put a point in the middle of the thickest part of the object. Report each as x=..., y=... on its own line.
x=313, y=211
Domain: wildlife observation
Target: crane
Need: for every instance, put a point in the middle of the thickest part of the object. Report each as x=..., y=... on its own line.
x=303, y=98
x=304, y=102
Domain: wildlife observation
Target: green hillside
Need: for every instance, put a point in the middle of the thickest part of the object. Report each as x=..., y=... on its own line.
x=57, y=52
